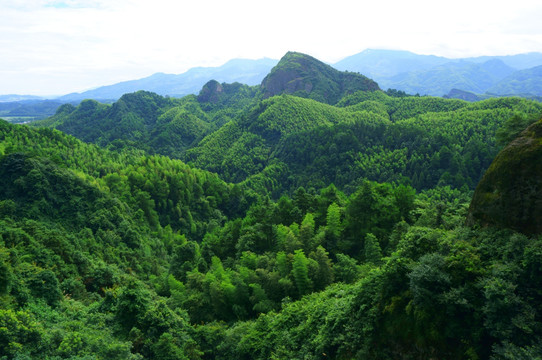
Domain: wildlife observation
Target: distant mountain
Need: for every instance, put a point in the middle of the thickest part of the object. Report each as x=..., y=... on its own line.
x=387, y=63
x=391, y=69
x=441, y=79
x=250, y=72
x=15, y=97
x=433, y=75
x=305, y=76
x=401, y=70
x=27, y=110
x=519, y=61
x=523, y=82
x=378, y=64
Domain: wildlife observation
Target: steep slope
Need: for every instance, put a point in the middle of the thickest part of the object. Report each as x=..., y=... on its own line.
x=168, y=191
x=304, y=76
x=84, y=234
x=510, y=193
x=214, y=95
x=242, y=147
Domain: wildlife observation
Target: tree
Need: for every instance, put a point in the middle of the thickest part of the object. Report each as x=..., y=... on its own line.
x=45, y=285
x=373, y=253
x=345, y=269
x=306, y=232
x=5, y=272
x=333, y=227
x=300, y=272
x=132, y=303
x=168, y=348
x=324, y=274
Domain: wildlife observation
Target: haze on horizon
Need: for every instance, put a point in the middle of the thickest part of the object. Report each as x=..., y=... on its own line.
x=60, y=46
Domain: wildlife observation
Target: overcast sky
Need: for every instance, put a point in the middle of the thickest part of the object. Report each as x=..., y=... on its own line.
x=60, y=46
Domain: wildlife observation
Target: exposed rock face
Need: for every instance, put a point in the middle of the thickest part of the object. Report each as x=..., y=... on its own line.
x=305, y=76
x=510, y=193
x=462, y=95
x=210, y=92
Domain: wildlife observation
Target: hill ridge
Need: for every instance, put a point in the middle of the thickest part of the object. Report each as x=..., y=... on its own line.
x=303, y=75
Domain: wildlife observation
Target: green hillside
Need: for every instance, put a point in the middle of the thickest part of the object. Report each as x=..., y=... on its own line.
x=112, y=255
x=421, y=141
x=304, y=76
x=236, y=225
x=142, y=120
x=292, y=141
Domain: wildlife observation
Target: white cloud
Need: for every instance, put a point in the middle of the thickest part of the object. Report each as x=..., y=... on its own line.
x=58, y=46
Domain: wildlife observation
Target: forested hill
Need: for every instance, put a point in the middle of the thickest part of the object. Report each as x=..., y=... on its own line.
x=304, y=76
x=283, y=142
x=232, y=225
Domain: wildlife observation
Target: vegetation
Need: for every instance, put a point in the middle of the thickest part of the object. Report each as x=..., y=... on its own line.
x=507, y=195
x=304, y=76
x=295, y=229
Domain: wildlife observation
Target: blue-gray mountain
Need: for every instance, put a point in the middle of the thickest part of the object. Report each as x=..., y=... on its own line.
x=523, y=82
x=401, y=70
x=249, y=72
x=437, y=76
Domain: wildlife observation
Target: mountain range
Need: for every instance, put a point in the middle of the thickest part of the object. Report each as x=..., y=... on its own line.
x=437, y=76
x=470, y=79
x=244, y=133
x=401, y=70
x=249, y=72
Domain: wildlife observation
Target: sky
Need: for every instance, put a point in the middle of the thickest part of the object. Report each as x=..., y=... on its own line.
x=55, y=47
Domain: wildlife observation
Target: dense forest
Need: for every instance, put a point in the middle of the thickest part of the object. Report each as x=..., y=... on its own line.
x=318, y=217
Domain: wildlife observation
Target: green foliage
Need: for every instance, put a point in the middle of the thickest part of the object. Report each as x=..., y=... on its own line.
x=19, y=333
x=372, y=251
x=304, y=76
x=345, y=269
x=300, y=272
x=343, y=235
x=281, y=143
x=512, y=128
x=143, y=120
x=507, y=195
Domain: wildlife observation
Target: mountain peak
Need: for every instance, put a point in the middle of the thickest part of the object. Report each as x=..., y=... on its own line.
x=210, y=92
x=302, y=75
